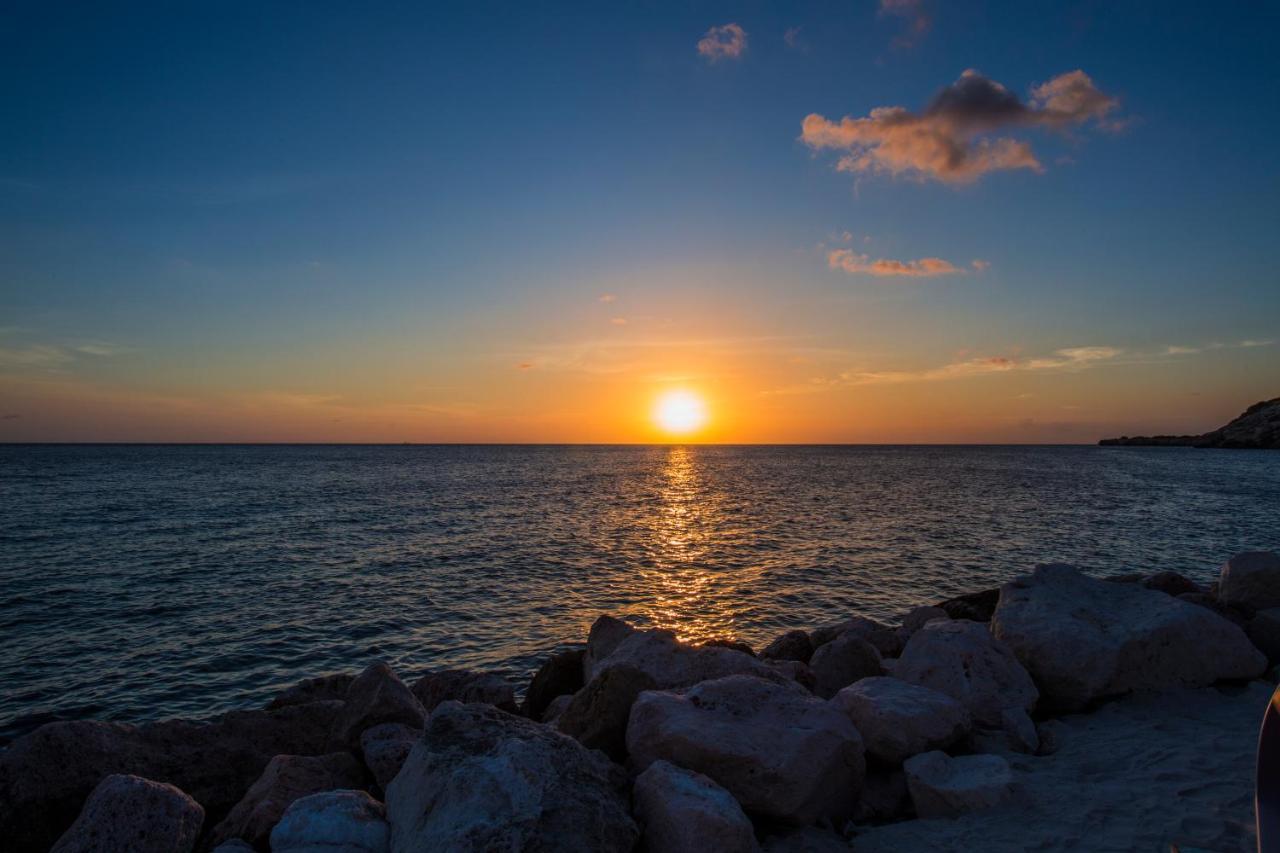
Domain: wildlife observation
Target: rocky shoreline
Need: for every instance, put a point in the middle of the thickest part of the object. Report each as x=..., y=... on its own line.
x=1257, y=428
x=1119, y=712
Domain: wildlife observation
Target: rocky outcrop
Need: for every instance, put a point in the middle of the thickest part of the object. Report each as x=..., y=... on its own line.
x=685, y=812
x=560, y=674
x=483, y=779
x=942, y=786
x=333, y=822
x=962, y=660
x=1084, y=639
x=129, y=814
x=1258, y=427
x=898, y=720
x=885, y=639
x=843, y=661
x=793, y=645
x=1251, y=580
x=597, y=714
x=286, y=779
x=385, y=747
x=325, y=687
x=974, y=606
x=376, y=696
x=463, y=685
x=782, y=753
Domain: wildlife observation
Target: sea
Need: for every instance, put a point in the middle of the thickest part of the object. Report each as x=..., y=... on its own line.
x=145, y=582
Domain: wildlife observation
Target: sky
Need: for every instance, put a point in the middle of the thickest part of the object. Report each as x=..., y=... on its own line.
x=868, y=221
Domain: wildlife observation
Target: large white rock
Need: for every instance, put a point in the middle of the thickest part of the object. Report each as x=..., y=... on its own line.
x=942, y=786
x=685, y=812
x=1084, y=639
x=961, y=659
x=129, y=814
x=483, y=779
x=1251, y=579
x=780, y=751
x=333, y=822
x=898, y=720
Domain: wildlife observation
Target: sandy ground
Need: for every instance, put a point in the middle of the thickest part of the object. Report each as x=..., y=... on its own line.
x=1138, y=774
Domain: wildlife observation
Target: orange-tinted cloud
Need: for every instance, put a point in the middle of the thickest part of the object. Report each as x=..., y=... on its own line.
x=856, y=264
x=951, y=140
x=725, y=42
x=913, y=12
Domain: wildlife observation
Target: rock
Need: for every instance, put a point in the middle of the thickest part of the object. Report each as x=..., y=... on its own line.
x=482, y=779
x=795, y=671
x=377, y=696
x=556, y=708
x=559, y=674
x=793, y=645
x=1257, y=427
x=973, y=606
x=333, y=822
x=916, y=618
x=942, y=786
x=287, y=778
x=385, y=747
x=597, y=714
x=45, y=776
x=1050, y=734
x=1085, y=639
x=462, y=685
x=808, y=839
x=884, y=797
x=1171, y=583
x=1236, y=615
x=1264, y=632
x=685, y=812
x=235, y=845
x=843, y=661
x=723, y=643
x=885, y=639
x=1251, y=580
x=782, y=753
x=605, y=636
x=961, y=659
x=898, y=720
x=129, y=814
x=1021, y=730
x=326, y=687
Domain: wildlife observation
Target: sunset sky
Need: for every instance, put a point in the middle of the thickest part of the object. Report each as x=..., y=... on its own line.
x=832, y=222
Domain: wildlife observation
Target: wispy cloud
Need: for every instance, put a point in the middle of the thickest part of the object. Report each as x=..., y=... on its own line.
x=951, y=139
x=724, y=42
x=53, y=357
x=792, y=39
x=913, y=12
x=858, y=264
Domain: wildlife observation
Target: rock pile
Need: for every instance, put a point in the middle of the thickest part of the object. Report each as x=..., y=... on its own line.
x=641, y=741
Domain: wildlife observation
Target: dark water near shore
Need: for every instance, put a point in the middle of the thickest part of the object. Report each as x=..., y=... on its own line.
x=142, y=582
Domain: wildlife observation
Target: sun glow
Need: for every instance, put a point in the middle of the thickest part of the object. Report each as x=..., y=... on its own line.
x=680, y=412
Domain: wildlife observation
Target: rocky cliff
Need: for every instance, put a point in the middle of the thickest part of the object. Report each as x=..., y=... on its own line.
x=1258, y=427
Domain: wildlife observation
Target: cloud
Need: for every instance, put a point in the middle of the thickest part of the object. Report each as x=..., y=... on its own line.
x=725, y=42
x=791, y=38
x=53, y=357
x=980, y=265
x=856, y=264
x=618, y=321
x=917, y=18
x=606, y=298
x=951, y=139
x=1251, y=344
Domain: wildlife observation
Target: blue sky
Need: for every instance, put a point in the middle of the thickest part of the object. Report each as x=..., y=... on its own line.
x=339, y=223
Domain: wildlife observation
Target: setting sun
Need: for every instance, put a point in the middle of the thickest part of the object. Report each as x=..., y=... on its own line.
x=680, y=412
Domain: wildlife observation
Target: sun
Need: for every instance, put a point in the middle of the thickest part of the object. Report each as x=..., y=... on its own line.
x=680, y=412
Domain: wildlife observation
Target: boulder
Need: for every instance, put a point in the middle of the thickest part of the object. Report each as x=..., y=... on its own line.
x=917, y=617
x=1251, y=579
x=781, y=752
x=961, y=659
x=385, y=747
x=884, y=796
x=942, y=786
x=463, y=685
x=793, y=645
x=1171, y=583
x=1264, y=632
x=1084, y=639
x=1021, y=730
x=129, y=814
x=287, y=778
x=560, y=674
x=884, y=638
x=685, y=812
x=597, y=714
x=795, y=671
x=973, y=606
x=45, y=776
x=605, y=635
x=482, y=779
x=729, y=643
x=326, y=687
x=556, y=708
x=1236, y=615
x=898, y=720
x=376, y=696
x=843, y=661
x=333, y=822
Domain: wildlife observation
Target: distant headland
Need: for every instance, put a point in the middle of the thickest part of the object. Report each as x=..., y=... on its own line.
x=1258, y=428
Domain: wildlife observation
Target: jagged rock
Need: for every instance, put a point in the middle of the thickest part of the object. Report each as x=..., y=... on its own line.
x=326, y=687
x=129, y=814
x=385, y=747
x=781, y=752
x=1264, y=632
x=376, y=696
x=685, y=812
x=333, y=822
x=597, y=714
x=961, y=659
x=559, y=674
x=885, y=639
x=46, y=775
x=973, y=606
x=463, y=685
x=843, y=661
x=1251, y=580
x=793, y=645
x=556, y=708
x=1171, y=583
x=287, y=778
x=605, y=635
x=898, y=720
x=942, y=786
x=1084, y=639
x=482, y=779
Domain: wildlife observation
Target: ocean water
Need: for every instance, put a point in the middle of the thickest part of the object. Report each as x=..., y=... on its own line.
x=139, y=582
